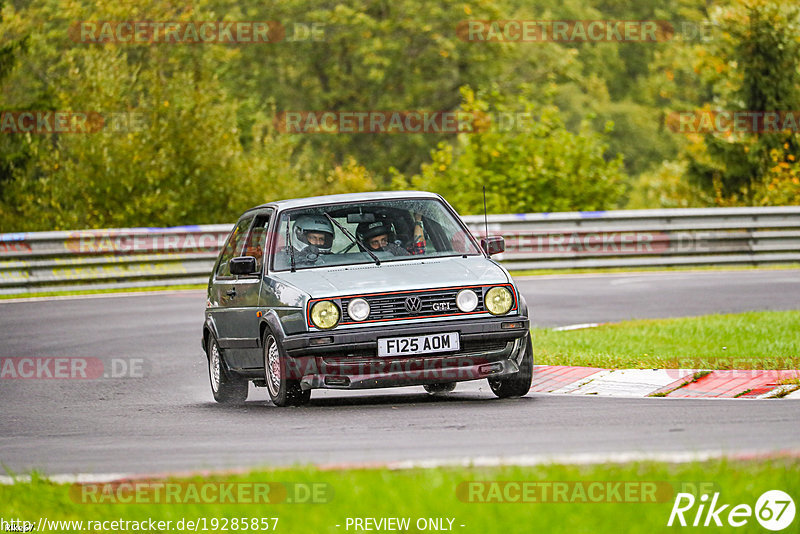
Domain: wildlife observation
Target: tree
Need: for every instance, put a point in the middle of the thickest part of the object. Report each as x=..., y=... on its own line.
x=752, y=67
x=542, y=167
x=14, y=153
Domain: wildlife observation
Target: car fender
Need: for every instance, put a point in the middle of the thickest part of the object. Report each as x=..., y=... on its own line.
x=270, y=319
x=210, y=327
x=523, y=304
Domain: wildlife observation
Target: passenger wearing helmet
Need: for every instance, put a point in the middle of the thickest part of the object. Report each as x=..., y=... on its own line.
x=379, y=236
x=313, y=235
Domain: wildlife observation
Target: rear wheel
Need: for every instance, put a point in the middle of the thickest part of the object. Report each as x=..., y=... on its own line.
x=227, y=387
x=440, y=388
x=282, y=390
x=519, y=383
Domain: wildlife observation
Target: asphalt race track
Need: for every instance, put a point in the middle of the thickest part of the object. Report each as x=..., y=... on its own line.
x=167, y=420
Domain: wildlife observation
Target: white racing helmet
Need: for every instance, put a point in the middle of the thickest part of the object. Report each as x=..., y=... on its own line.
x=306, y=224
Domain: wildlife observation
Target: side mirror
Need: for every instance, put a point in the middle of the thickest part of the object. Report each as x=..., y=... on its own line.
x=493, y=245
x=243, y=265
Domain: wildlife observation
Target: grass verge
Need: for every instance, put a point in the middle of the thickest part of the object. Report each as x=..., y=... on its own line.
x=607, y=498
x=752, y=340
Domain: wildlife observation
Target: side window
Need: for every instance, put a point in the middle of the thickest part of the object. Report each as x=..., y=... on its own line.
x=232, y=246
x=256, y=240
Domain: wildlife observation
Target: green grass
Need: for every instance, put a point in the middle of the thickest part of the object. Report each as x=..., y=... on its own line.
x=67, y=293
x=622, y=270
x=752, y=340
x=443, y=493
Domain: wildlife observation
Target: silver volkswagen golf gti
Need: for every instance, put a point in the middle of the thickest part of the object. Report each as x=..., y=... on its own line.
x=362, y=291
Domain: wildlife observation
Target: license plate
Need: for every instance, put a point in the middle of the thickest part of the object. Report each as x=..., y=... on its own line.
x=411, y=345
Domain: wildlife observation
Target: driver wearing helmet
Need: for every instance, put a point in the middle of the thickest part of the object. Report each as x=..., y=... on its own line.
x=379, y=236
x=313, y=235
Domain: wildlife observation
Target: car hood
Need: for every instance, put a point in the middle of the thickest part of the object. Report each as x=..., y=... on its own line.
x=395, y=276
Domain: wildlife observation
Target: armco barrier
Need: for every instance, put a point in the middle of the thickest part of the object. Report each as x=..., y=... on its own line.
x=129, y=258
x=647, y=238
x=120, y=258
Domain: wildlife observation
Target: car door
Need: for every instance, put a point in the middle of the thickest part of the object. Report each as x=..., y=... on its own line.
x=235, y=297
x=245, y=299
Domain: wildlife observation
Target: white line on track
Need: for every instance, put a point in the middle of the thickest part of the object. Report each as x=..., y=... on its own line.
x=578, y=326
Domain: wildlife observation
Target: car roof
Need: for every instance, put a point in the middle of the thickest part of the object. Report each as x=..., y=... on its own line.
x=344, y=198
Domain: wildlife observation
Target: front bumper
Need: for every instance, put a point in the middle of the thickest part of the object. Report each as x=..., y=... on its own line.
x=348, y=359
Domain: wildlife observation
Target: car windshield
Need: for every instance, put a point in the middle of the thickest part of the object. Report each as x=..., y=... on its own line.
x=368, y=232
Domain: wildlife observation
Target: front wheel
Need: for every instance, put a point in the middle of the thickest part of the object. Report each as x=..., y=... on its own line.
x=519, y=383
x=282, y=390
x=227, y=387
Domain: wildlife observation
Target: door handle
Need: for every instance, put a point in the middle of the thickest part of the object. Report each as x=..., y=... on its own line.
x=231, y=292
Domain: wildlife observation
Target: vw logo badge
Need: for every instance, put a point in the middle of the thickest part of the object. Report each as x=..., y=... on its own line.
x=413, y=305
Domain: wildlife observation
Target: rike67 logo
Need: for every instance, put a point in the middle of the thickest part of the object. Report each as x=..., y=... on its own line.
x=774, y=510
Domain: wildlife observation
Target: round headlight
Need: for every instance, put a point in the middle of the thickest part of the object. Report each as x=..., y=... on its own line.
x=324, y=314
x=498, y=300
x=466, y=300
x=358, y=309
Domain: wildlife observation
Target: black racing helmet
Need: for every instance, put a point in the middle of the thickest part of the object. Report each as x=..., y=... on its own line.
x=306, y=224
x=368, y=230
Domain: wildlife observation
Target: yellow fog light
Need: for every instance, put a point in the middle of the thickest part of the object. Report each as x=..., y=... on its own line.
x=325, y=314
x=498, y=300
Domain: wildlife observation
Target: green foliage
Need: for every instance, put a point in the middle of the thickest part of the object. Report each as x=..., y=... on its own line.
x=205, y=146
x=666, y=187
x=375, y=55
x=752, y=66
x=171, y=153
x=540, y=167
x=13, y=153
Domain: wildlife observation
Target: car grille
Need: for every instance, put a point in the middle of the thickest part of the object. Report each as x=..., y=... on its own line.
x=393, y=306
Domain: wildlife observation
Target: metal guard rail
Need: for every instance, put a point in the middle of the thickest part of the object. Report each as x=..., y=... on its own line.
x=128, y=258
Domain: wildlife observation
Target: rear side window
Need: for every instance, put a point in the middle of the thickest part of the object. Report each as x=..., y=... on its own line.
x=232, y=246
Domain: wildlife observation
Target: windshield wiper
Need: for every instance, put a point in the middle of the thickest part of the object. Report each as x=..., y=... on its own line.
x=289, y=244
x=346, y=232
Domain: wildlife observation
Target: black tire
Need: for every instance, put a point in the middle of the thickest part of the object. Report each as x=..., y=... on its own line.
x=518, y=384
x=226, y=386
x=282, y=390
x=440, y=388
